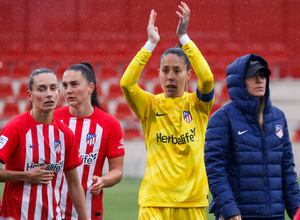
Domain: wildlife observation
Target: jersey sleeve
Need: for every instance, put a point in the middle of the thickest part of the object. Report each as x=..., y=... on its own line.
x=137, y=98
x=9, y=139
x=205, y=90
x=115, y=143
x=72, y=154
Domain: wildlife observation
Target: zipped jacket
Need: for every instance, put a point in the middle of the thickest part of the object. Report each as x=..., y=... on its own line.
x=250, y=171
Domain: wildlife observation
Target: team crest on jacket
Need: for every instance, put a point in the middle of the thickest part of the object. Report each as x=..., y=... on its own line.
x=187, y=116
x=57, y=146
x=279, y=131
x=90, y=139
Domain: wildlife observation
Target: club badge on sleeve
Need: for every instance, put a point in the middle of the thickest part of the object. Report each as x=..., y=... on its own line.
x=3, y=141
x=279, y=131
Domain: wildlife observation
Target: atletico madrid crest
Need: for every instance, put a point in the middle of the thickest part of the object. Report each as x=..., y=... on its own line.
x=57, y=146
x=279, y=131
x=187, y=116
x=90, y=139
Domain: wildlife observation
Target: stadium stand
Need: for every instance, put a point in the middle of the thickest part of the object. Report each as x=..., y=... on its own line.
x=114, y=91
x=6, y=91
x=108, y=70
x=21, y=69
x=123, y=111
x=10, y=109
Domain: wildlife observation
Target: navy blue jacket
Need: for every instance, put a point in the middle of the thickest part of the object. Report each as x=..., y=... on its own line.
x=250, y=172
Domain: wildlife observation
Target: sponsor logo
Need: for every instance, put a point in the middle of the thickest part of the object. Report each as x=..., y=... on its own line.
x=158, y=115
x=187, y=116
x=56, y=167
x=279, y=131
x=3, y=141
x=32, y=146
x=88, y=159
x=254, y=62
x=90, y=139
x=122, y=144
x=181, y=139
x=242, y=132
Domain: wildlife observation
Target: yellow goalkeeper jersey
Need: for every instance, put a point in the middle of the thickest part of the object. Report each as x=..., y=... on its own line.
x=174, y=130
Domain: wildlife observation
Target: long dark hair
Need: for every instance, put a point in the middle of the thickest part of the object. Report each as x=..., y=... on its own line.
x=88, y=73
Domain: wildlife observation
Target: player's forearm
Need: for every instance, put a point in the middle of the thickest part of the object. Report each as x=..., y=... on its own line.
x=76, y=193
x=12, y=176
x=78, y=199
x=112, y=178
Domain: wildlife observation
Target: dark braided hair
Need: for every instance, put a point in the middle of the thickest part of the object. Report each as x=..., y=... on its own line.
x=88, y=73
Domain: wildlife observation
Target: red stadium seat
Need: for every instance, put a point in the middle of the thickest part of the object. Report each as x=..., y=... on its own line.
x=193, y=74
x=231, y=51
x=215, y=107
x=6, y=90
x=10, y=109
x=132, y=133
x=157, y=89
x=36, y=51
x=224, y=96
x=61, y=68
x=114, y=91
x=122, y=51
x=219, y=70
x=78, y=52
x=210, y=51
x=108, y=71
x=4, y=69
x=277, y=58
x=57, y=51
x=100, y=52
x=21, y=69
x=257, y=48
x=23, y=91
x=123, y=111
x=296, y=137
x=14, y=51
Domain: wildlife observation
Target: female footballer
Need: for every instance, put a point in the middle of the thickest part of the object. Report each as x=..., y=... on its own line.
x=37, y=149
x=174, y=124
x=99, y=134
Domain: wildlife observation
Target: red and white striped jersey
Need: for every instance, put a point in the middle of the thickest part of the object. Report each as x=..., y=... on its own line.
x=100, y=136
x=24, y=144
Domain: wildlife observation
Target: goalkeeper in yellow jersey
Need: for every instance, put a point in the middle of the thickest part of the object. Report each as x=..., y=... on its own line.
x=174, y=124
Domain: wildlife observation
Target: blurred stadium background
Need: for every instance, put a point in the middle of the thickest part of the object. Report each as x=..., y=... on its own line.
x=108, y=33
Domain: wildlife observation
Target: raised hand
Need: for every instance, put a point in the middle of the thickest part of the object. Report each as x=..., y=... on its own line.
x=184, y=17
x=38, y=175
x=153, y=35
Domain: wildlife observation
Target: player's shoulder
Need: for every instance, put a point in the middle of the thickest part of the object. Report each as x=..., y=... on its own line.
x=104, y=118
x=19, y=120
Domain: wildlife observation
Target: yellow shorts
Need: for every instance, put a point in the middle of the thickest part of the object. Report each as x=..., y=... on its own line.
x=163, y=213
